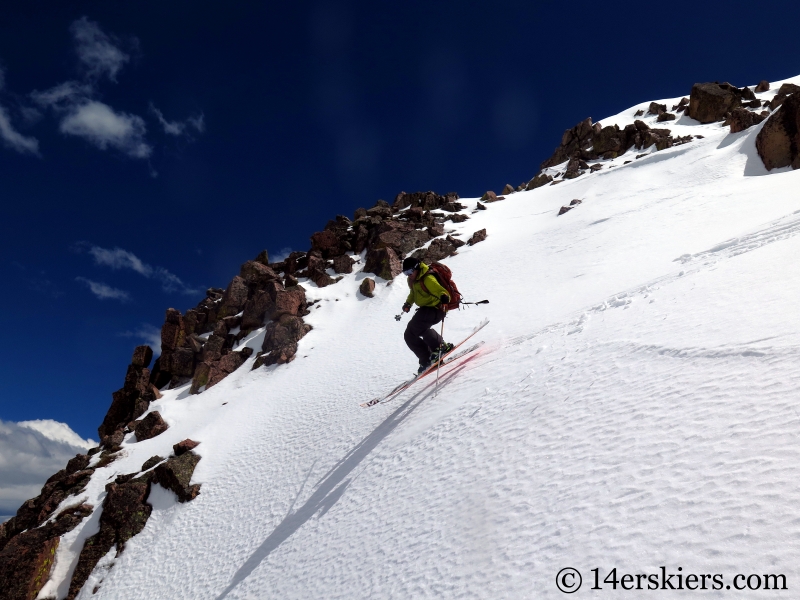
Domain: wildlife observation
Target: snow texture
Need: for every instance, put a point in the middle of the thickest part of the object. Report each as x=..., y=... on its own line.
x=634, y=406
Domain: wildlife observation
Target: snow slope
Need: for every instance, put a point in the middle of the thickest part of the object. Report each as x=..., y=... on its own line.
x=634, y=406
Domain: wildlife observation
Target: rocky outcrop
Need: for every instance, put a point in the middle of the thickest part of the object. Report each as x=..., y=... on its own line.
x=574, y=142
x=280, y=341
x=784, y=92
x=741, y=119
x=778, y=142
x=27, y=558
x=132, y=400
x=762, y=86
x=710, y=102
x=538, y=181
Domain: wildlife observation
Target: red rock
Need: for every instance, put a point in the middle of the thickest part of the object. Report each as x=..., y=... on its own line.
x=742, y=119
x=256, y=274
x=151, y=426
x=367, y=287
x=710, y=102
x=184, y=446
x=478, y=236
x=762, y=86
x=142, y=356
x=778, y=142
x=383, y=262
x=343, y=264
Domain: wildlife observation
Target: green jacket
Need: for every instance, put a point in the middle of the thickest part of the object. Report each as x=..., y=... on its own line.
x=435, y=291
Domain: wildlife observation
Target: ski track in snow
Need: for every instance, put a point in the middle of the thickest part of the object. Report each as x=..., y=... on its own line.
x=630, y=409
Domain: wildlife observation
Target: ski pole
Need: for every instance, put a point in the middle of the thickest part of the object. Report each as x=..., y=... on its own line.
x=439, y=363
x=398, y=317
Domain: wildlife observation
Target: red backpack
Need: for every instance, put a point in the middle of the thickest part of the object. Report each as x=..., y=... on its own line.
x=445, y=278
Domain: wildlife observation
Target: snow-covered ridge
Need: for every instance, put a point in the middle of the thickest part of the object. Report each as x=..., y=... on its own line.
x=633, y=407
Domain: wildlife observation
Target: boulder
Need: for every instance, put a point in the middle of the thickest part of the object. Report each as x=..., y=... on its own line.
x=256, y=274
x=478, y=236
x=508, y=189
x=317, y=271
x=399, y=236
x=359, y=214
x=480, y=206
x=742, y=119
x=367, y=287
x=151, y=462
x=142, y=356
x=383, y=262
x=280, y=340
x=328, y=244
x=200, y=378
x=489, y=196
x=458, y=218
x=435, y=230
x=343, y=264
x=538, y=181
x=263, y=258
x=710, y=102
x=382, y=212
x=176, y=475
x=172, y=332
x=227, y=365
x=212, y=349
x=438, y=250
x=784, y=92
x=184, y=446
x=665, y=116
x=656, y=109
x=151, y=426
x=289, y=302
x=778, y=142
x=234, y=298
x=612, y=140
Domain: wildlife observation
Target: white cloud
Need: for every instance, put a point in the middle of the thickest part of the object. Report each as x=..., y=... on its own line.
x=15, y=140
x=99, y=124
x=103, y=291
x=178, y=128
x=150, y=334
x=96, y=51
x=120, y=259
x=30, y=452
x=117, y=258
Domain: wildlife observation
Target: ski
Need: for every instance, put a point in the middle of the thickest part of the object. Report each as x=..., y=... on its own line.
x=445, y=360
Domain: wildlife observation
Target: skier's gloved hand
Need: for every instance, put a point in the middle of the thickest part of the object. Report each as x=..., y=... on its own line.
x=444, y=299
x=406, y=307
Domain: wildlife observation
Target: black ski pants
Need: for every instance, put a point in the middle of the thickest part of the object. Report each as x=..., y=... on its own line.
x=420, y=338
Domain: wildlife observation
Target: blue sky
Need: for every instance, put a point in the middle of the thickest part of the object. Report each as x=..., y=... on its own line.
x=148, y=149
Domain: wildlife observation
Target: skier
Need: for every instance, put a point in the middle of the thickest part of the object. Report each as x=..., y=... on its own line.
x=427, y=293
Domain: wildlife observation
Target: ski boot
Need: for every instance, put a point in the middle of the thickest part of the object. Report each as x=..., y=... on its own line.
x=440, y=351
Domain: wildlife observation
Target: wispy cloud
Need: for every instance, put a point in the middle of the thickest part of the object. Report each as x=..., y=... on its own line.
x=99, y=124
x=10, y=136
x=104, y=291
x=97, y=52
x=150, y=334
x=81, y=114
x=118, y=258
x=178, y=128
x=31, y=451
